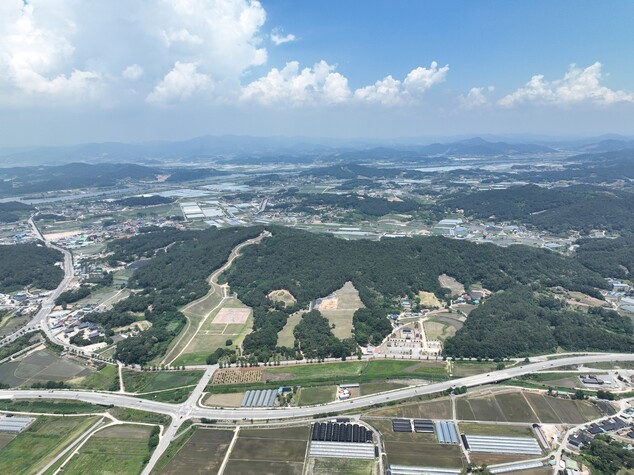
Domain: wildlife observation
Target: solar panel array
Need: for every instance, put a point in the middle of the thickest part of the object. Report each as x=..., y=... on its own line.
x=401, y=425
x=503, y=445
x=446, y=432
x=259, y=398
x=425, y=426
x=336, y=432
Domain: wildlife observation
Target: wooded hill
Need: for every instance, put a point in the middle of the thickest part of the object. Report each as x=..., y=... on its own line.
x=29, y=265
x=558, y=210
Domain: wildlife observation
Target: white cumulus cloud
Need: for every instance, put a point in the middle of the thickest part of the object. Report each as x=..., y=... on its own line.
x=292, y=86
x=578, y=85
x=181, y=35
x=132, y=72
x=392, y=92
x=36, y=55
x=181, y=83
x=476, y=97
x=279, y=38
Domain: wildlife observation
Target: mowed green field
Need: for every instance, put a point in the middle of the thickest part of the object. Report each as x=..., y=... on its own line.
x=106, y=379
x=330, y=466
x=148, y=381
x=120, y=450
x=311, y=396
x=215, y=335
x=31, y=450
x=269, y=452
x=203, y=453
x=41, y=366
x=285, y=336
x=526, y=407
x=348, y=302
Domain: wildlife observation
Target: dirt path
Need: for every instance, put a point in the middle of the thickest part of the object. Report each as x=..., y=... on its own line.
x=215, y=287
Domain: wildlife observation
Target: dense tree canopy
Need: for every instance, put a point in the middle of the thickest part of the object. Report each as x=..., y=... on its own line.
x=609, y=257
x=33, y=265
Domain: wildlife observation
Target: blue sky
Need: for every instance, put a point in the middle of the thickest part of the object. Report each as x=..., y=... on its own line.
x=132, y=70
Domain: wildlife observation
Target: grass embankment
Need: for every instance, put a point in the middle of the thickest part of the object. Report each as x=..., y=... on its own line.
x=149, y=381
x=106, y=379
x=134, y=415
x=340, y=373
x=51, y=406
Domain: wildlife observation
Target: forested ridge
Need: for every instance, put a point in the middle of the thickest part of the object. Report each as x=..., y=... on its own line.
x=310, y=266
x=9, y=211
x=522, y=322
x=609, y=257
x=33, y=265
x=557, y=210
x=173, y=277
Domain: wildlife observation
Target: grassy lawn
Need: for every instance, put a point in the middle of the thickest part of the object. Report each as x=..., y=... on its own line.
x=437, y=409
x=106, y=379
x=175, y=396
x=367, y=389
x=121, y=449
x=316, y=395
x=31, y=450
x=134, y=415
x=348, y=302
x=285, y=337
x=148, y=381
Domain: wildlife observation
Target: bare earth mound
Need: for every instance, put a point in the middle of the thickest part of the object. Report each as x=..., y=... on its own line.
x=452, y=284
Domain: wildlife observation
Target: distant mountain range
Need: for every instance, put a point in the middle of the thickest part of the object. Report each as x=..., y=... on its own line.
x=247, y=149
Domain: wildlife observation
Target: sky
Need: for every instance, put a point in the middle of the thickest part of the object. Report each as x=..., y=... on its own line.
x=73, y=71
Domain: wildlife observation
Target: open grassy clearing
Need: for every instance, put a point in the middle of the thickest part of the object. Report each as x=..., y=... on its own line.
x=283, y=296
x=41, y=366
x=436, y=409
x=134, y=415
x=5, y=439
x=429, y=300
x=329, y=466
x=148, y=381
x=452, y=284
x=106, y=296
x=120, y=449
x=367, y=389
x=346, y=301
x=215, y=335
x=461, y=369
x=441, y=326
x=424, y=455
x=285, y=336
x=32, y=449
x=175, y=396
x=200, y=452
x=337, y=373
x=502, y=430
x=311, y=396
x=105, y=379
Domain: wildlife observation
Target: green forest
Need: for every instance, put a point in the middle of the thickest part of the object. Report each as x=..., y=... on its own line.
x=520, y=322
x=11, y=210
x=557, y=210
x=29, y=265
x=609, y=257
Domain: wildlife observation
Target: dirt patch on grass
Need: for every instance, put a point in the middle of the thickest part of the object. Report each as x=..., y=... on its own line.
x=283, y=296
x=232, y=315
x=428, y=299
x=452, y=284
x=223, y=400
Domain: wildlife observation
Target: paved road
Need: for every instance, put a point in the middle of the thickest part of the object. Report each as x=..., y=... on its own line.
x=191, y=409
x=39, y=322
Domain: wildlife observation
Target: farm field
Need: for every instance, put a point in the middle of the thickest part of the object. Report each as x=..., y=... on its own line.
x=311, y=396
x=203, y=453
x=367, y=389
x=32, y=449
x=435, y=409
x=41, y=366
x=312, y=374
x=148, y=381
x=269, y=451
x=441, y=326
x=461, y=369
x=340, y=309
x=525, y=407
x=328, y=466
x=423, y=455
x=119, y=449
x=501, y=430
x=214, y=335
x=223, y=400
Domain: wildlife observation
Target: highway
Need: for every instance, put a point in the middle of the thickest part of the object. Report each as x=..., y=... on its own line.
x=190, y=408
